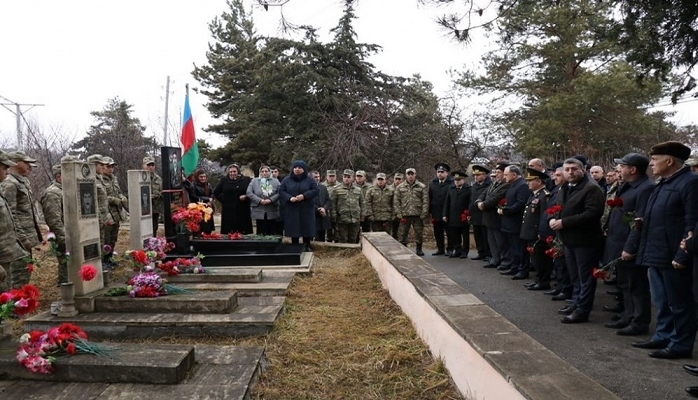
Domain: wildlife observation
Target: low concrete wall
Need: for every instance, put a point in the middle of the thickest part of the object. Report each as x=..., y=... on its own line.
x=487, y=356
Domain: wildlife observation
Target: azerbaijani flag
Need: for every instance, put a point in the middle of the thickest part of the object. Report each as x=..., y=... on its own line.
x=190, y=150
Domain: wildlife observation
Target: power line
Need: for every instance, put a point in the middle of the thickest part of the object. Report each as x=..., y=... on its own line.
x=19, y=114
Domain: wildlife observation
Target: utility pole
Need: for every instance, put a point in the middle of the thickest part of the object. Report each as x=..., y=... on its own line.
x=167, y=110
x=18, y=114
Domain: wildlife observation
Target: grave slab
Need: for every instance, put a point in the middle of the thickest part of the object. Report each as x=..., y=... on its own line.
x=212, y=302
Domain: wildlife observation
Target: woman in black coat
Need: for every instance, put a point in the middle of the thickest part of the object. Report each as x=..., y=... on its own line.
x=296, y=193
x=204, y=194
x=232, y=193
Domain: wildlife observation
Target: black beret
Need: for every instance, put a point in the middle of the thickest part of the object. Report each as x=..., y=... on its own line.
x=671, y=148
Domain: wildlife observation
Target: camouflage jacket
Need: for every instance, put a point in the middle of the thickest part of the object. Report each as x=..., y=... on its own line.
x=347, y=204
x=331, y=188
x=411, y=200
x=52, y=205
x=103, y=203
x=156, y=193
x=364, y=188
x=115, y=199
x=10, y=247
x=19, y=197
x=379, y=203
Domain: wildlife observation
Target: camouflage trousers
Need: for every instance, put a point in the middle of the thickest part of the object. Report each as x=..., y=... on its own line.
x=412, y=221
x=381, y=226
x=111, y=234
x=18, y=274
x=347, y=233
x=62, y=263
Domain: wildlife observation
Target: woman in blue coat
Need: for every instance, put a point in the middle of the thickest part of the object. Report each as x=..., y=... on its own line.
x=296, y=193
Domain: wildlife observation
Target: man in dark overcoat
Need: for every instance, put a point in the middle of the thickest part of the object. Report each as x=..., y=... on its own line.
x=622, y=242
x=488, y=203
x=455, y=216
x=512, y=216
x=564, y=287
x=438, y=187
x=530, y=228
x=670, y=214
x=481, y=182
x=578, y=226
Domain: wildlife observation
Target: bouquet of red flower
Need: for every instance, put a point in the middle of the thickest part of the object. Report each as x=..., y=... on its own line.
x=189, y=218
x=557, y=249
x=502, y=203
x=137, y=258
x=183, y=266
x=87, y=272
x=38, y=350
x=464, y=215
x=554, y=210
x=211, y=236
x=615, y=202
x=607, y=270
x=156, y=247
x=19, y=301
x=150, y=284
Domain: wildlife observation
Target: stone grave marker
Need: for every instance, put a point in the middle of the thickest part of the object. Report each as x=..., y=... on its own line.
x=139, y=205
x=81, y=224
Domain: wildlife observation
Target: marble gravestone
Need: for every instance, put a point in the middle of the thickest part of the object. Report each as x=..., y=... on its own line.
x=81, y=224
x=140, y=208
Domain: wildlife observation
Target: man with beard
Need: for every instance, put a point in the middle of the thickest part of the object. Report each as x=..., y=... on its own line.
x=482, y=182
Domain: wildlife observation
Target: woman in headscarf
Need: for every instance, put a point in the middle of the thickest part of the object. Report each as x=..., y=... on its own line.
x=204, y=194
x=263, y=193
x=296, y=193
x=232, y=193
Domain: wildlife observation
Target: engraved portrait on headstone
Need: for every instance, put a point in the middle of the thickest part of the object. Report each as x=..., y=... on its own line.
x=145, y=200
x=88, y=206
x=175, y=169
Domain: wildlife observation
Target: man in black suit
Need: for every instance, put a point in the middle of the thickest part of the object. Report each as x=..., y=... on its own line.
x=578, y=226
x=564, y=287
x=530, y=228
x=488, y=203
x=479, y=187
x=512, y=214
x=438, y=187
x=455, y=216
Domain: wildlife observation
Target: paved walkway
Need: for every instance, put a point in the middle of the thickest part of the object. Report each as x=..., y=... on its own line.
x=590, y=347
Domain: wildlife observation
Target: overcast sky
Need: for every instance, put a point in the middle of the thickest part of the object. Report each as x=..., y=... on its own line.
x=74, y=55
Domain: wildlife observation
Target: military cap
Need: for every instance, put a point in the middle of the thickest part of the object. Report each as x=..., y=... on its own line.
x=348, y=172
x=480, y=170
x=380, y=175
x=5, y=159
x=501, y=165
x=96, y=158
x=360, y=173
x=56, y=169
x=399, y=176
x=108, y=161
x=21, y=156
x=633, y=159
x=331, y=172
x=148, y=160
x=532, y=174
x=442, y=167
x=459, y=175
x=671, y=148
x=412, y=170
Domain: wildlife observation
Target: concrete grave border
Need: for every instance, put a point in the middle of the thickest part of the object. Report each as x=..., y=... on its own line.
x=486, y=355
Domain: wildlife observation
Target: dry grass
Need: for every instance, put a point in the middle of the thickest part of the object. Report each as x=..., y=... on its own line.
x=341, y=337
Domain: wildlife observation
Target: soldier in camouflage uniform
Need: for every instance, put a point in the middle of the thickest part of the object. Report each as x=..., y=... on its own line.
x=361, y=183
x=117, y=203
x=411, y=206
x=155, y=191
x=52, y=205
x=11, y=251
x=17, y=191
x=395, y=222
x=105, y=218
x=331, y=183
x=379, y=204
x=347, y=209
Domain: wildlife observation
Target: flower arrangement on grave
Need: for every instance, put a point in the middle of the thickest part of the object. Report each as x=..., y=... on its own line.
x=557, y=249
x=189, y=218
x=87, y=272
x=183, y=266
x=38, y=350
x=237, y=236
x=137, y=259
x=19, y=302
x=156, y=247
x=150, y=284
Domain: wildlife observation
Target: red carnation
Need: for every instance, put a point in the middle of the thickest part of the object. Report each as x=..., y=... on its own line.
x=30, y=267
x=552, y=210
x=502, y=202
x=5, y=297
x=88, y=272
x=529, y=249
x=70, y=349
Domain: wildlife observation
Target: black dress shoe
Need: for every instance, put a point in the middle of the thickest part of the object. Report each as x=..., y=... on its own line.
x=508, y=272
x=616, y=308
x=632, y=330
x=617, y=324
x=561, y=296
x=616, y=317
x=575, y=318
x=650, y=344
x=538, y=286
x=691, y=369
x=448, y=253
x=489, y=266
x=529, y=284
x=438, y=253
x=566, y=310
x=519, y=276
x=478, y=257
x=464, y=255
x=455, y=255
x=692, y=390
x=669, y=354
x=503, y=267
x=553, y=292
